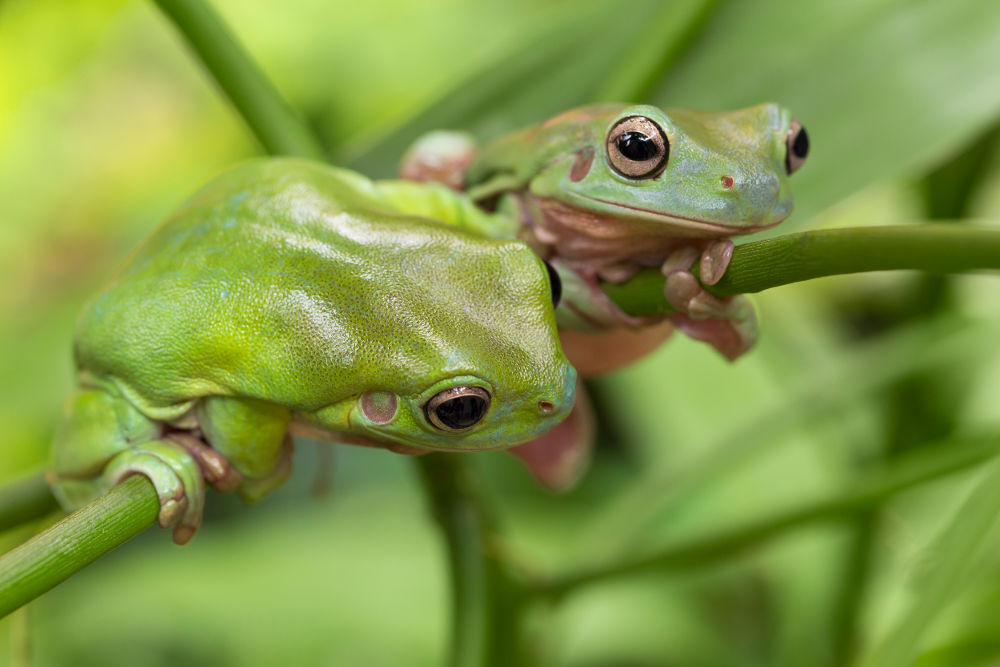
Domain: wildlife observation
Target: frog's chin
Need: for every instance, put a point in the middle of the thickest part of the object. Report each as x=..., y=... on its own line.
x=700, y=227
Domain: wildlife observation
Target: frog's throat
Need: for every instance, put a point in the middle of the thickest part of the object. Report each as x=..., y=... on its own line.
x=709, y=228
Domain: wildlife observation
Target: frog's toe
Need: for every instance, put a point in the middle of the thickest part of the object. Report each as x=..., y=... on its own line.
x=176, y=477
x=215, y=468
x=715, y=260
x=681, y=287
x=732, y=334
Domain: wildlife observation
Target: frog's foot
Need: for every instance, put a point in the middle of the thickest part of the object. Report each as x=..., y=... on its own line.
x=215, y=467
x=177, y=478
x=559, y=458
x=439, y=157
x=728, y=324
x=254, y=488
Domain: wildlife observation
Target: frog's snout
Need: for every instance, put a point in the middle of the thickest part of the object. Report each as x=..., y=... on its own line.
x=551, y=405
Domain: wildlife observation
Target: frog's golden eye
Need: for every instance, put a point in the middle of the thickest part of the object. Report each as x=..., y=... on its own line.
x=797, y=146
x=637, y=147
x=555, y=284
x=457, y=409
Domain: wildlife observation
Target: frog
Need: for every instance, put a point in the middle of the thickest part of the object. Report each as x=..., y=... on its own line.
x=604, y=191
x=292, y=298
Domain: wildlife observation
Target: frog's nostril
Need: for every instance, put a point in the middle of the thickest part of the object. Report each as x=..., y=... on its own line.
x=546, y=406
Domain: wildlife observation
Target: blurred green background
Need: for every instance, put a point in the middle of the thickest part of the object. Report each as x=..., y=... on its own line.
x=107, y=122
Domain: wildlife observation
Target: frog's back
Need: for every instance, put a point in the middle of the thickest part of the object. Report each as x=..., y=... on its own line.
x=285, y=280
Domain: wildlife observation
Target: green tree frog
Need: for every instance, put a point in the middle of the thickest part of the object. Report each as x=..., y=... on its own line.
x=604, y=191
x=288, y=297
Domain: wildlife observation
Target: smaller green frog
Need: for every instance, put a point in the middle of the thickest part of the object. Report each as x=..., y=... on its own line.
x=604, y=191
x=288, y=297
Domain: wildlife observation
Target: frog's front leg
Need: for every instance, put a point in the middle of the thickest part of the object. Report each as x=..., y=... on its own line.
x=253, y=437
x=177, y=478
x=103, y=439
x=728, y=324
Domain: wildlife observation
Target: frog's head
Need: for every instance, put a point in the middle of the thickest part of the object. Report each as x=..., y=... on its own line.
x=468, y=354
x=703, y=173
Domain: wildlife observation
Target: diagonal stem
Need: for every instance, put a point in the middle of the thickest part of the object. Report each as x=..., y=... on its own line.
x=725, y=544
x=271, y=120
x=25, y=499
x=57, y=553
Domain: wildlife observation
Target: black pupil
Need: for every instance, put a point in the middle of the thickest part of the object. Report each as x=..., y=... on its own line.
x=555, y=284
x=461, y=411
x=800, y=147
x=636, y=146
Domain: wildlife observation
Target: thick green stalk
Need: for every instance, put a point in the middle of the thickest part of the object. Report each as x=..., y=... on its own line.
x=55, y=554
x=724, y=544
x=25, y=499
x=761, y=265
x=271, y=120
x=450, y=486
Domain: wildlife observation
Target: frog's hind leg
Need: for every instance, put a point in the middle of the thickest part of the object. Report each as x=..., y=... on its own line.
x=103, y=439
x=253, y=436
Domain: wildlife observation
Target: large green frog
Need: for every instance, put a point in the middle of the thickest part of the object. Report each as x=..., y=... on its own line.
x=291, y=297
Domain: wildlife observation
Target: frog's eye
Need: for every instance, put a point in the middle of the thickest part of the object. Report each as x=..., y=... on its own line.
x=555, y=284
x=797, y=146
x=457, y=409
x=637, y=147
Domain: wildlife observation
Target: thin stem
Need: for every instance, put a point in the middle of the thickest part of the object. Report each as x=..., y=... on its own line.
x=725, y=544
x=25, y=499
x=271, y=120
x=55, y=554
x=449, y=483
x=761, y=265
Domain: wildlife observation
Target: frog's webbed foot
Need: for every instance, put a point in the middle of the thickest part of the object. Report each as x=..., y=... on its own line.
x=439, y=157
x=177, y=478
x=728, y=324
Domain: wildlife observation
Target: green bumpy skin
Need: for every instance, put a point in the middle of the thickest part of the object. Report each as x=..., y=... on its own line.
x=291, y=295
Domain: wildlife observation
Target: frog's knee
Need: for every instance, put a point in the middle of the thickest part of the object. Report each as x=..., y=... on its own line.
x=176, y=477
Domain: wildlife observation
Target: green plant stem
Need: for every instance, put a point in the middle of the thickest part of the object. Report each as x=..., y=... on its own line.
x=450, y=486
x=55, y=554
x=761, y=265
x=271, y=120
x=725, y=544
x=25, y=499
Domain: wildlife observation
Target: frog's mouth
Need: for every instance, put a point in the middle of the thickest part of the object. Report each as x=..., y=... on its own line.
x=676, y=221
x=686, y=223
